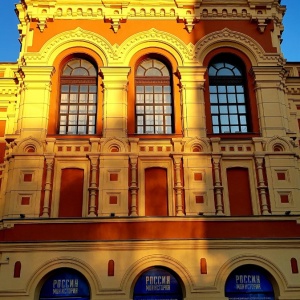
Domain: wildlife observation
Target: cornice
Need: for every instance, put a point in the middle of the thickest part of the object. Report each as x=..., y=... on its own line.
x=117, y=11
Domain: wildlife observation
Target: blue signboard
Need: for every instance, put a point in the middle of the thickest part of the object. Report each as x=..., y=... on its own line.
x=65, y=284
x=249, y=282
x=157, y=284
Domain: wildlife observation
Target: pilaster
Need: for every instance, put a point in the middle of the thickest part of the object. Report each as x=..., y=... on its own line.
x=115, y=81
x=35, y=100
x=192, y=101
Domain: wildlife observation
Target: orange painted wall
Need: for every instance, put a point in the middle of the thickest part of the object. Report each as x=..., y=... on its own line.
x=159, y=229
x=130, y=27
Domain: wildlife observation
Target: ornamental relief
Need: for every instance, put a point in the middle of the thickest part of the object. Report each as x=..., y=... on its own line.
x=121, y=54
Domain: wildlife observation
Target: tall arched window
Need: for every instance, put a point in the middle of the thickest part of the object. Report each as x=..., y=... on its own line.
x=78, y=98
x=154, y=104
x=228, y=101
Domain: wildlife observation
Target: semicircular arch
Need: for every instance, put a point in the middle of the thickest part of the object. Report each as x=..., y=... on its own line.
x=244, y=43
x=70, y=39
x=247, y=259
x=135, y=270
x=37, y=280
x=155, y=39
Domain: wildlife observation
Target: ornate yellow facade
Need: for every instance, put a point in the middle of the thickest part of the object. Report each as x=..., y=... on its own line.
x=150, y=150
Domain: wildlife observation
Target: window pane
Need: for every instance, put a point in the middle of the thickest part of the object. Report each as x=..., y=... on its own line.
x=224, y=119
x=159, y=120
x=213, y=98
x=64, y=98
x=83, y=98
x=158, y=98
x=63, y=109
x=149, y=109
x=74, y=88
x=221, y=89
x=214, y=109
x=84, y=89
x=167, y=98
x=63, y=120
x=140, y=109
x=93, y=89
x=149, y=98
x=168, y=120
x=239, y=89
x=167, y=89
x=234, y=119
x=72, y=119
x=92, y=109
x=231, y=98
x=140, y=120
x=140, y=98
x=222, y=98
x=140, y=89
x=159, y=129
x=240, y=98
x=73, y=108
x=82, y=109
x=73, y=98
x=224, y=109
x=158, y=109
x=149, y=120
x=149, y=89
x=64, y=88
x=62, y=129
x=235, y=129
x=92, y=120
x=232, y=109
x=92, y=98
x=149, y=129
x=168, y=109
x=215, y=120
x=212, y=89
x=231, y=89
x=158, y=89
x=81, y=129
x=242, y=109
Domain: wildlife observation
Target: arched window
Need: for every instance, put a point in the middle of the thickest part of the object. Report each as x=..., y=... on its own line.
x=154, y=103
x=78, y=98
x=228, y=96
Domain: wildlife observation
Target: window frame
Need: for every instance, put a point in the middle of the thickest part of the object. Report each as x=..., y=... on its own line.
x=142, y=82
x=250, y=95
x=82, y=107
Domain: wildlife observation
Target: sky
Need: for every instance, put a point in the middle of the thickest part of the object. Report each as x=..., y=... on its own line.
x=10, y=46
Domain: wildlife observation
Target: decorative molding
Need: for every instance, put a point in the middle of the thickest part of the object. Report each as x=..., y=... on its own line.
x=229, y=37
x=185, y=52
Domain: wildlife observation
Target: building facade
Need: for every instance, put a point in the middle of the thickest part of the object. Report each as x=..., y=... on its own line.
x=150, y=150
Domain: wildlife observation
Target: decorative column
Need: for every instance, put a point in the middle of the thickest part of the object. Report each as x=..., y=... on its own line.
x=192, y=101
x=93, y=188
x=178, y=185
x=93, y=185
x=262, y=188
x=49, y=166
x=133, y=186
x=218, y=186
x=35, y=100
x=115, y=81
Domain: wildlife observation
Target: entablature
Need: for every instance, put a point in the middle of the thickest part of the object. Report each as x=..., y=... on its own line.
x=117, y=11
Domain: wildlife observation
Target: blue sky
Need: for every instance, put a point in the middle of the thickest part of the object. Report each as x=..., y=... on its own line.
x=9, y=48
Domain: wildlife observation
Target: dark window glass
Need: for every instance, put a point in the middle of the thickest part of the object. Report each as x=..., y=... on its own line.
x=227, y=95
